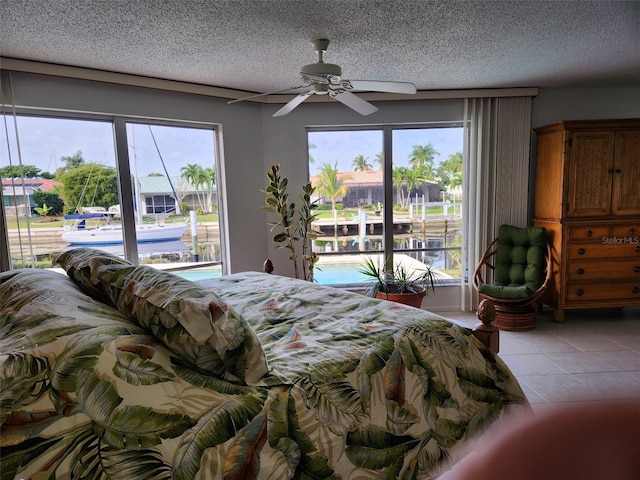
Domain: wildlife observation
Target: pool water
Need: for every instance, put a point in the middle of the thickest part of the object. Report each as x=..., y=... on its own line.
x=343, y=274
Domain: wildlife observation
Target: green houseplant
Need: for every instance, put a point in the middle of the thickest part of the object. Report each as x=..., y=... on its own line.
x=294, y=225
x=398, y=282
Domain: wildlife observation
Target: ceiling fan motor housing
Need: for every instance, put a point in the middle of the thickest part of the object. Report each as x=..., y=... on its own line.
x=321, y=70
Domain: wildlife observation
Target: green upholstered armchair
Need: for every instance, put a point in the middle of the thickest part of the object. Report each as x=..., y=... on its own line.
x=513, y=273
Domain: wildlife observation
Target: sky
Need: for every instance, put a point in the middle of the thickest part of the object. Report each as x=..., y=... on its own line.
x=343, y=147
x=44, y=141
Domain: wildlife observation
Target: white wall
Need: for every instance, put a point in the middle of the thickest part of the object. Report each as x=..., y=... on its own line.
x=557, y=104
x=253, y=140
x=285, y=138
x=241, y=132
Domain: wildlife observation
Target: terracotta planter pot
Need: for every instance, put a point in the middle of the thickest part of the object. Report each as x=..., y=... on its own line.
x=411, y=299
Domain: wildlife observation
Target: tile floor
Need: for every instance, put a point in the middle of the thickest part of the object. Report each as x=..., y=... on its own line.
x=593, y=356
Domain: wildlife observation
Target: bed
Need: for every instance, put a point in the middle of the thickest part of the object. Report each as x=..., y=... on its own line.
x=120, y=371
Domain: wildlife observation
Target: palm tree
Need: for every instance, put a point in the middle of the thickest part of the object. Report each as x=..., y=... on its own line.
x=380, y=160
x=331, y=185
x=195, y=175
x=422, y=159
x=209, y=180
x=74, y=160
x=414, y=179
x=399, y=175
x=450, y=172
x=361, y=163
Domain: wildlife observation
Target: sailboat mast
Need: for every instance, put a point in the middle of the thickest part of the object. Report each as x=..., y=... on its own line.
x=136, y=183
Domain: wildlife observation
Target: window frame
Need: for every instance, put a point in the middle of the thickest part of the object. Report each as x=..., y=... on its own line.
x=387, y=131
x=122, y=163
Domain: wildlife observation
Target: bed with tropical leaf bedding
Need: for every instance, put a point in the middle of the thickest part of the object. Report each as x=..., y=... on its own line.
x=127, y=372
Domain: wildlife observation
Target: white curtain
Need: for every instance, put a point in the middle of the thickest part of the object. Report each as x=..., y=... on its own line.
x=496, y=180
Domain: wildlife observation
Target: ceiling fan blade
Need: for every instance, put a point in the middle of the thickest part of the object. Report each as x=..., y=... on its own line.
x=381, y=86
x=354, y=102
x=292, y=104
x=267, y=93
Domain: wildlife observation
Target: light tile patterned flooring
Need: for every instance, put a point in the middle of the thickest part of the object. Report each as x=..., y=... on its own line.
x=593, y=356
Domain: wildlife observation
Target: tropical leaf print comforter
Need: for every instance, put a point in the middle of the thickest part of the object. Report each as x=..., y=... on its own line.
x=357, y=388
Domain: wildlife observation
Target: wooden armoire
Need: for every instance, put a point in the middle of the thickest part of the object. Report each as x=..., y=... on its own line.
x=587, y=196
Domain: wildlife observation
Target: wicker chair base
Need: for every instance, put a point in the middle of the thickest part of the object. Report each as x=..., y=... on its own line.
x=515, y=319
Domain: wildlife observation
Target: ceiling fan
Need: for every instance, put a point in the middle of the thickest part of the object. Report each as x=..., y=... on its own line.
x=326, y=79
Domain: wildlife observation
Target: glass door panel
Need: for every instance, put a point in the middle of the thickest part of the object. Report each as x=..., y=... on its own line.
x=175, y=185
x=427, y=181
x=346, y=169
x=58, y=180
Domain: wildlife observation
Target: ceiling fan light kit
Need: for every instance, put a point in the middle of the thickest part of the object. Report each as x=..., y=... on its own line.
x=326, y=79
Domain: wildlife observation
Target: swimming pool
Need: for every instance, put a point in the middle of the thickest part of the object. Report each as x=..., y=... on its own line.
x=339, y=274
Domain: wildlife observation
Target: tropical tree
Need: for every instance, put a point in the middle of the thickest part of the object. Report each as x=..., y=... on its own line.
x=43, y=210
x=15, y=171
x=413, y=180
x=89, y=184
x=379, y=160
x=73, y=161
x=361, y=163
x=209, y=181
x=51, y=198
x=451, y=170
x=203, y=180
x=422, y=159
x=398, y=177
x=194, y=174
x=332, y=185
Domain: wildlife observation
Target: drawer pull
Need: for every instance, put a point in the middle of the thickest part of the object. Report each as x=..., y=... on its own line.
x=580, y=292
x=636, y=269
x=589, y=233
x=581, y=251
x=618, y=170
x=638, y=249
x=632, y=231
x=581, y=271
x=636, y=289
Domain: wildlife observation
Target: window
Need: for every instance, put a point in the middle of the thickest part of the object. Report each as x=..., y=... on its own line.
x=415, y=216
x=61, y=188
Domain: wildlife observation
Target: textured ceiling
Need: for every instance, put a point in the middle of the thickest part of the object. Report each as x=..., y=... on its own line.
x=259, y=46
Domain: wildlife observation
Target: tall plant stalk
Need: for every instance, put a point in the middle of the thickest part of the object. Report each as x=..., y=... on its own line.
x=295, y=225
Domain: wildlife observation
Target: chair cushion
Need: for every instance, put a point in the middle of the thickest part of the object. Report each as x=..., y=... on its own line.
x=506, y=292
x=519, y=260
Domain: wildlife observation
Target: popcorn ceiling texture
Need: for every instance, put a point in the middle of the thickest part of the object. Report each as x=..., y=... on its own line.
x=259, y=46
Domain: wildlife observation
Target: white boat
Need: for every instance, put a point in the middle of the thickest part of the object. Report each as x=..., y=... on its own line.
x=108, y=232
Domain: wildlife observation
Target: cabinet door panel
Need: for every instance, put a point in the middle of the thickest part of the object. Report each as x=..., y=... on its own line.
x=626, y=177
x=590, y=173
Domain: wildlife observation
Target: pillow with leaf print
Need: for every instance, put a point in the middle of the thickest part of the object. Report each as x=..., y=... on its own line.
x=193, y=322
x=81, y=265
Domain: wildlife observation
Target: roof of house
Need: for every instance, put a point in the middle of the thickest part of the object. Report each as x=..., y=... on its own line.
x=360, y=178
x=30, y=184
x=159, y=185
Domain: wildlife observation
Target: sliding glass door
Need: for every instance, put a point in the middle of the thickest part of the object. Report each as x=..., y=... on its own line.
x=387, y=193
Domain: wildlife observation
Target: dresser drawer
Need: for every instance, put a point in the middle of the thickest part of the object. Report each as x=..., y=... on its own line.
x=601, y=250
x=585, y=270
x=629, y=233
x=586, y=233
x=588, y=292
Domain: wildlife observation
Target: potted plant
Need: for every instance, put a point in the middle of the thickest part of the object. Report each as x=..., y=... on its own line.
x=294, y=225
x=399, y=283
